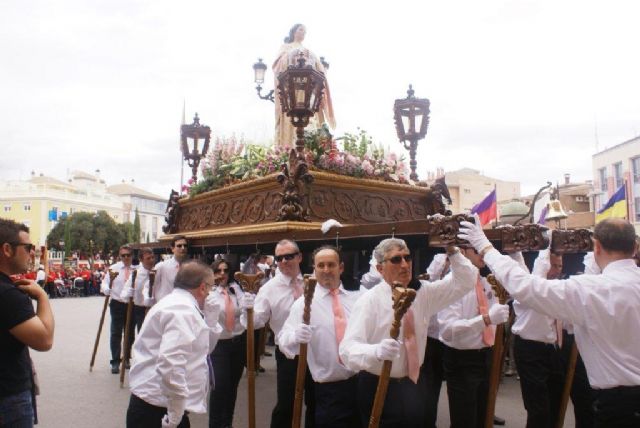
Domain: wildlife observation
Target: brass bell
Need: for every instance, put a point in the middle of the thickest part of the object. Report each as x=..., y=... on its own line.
x=555, y=211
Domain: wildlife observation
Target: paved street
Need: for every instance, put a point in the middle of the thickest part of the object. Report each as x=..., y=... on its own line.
x=71, y=396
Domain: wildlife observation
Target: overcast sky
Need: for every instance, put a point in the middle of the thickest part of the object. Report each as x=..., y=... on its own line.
x=521, y=90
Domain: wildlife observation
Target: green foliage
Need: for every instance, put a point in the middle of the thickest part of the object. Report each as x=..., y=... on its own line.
x=136, y=228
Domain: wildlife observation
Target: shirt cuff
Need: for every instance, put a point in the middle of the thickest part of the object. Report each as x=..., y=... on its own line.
x=492, y=256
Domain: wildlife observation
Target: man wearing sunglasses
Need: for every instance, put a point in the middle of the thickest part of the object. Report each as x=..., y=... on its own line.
x=166, y=270
x=272, y=304
x=118, y=305
x=20, y=327
x=366, y=343
x=139, y=291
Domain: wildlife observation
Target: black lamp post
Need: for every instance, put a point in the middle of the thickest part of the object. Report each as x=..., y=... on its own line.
x=411, y=116
x=190, y=135
x=259, y=70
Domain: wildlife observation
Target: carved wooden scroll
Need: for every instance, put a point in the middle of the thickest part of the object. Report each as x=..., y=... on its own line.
x=294, y=179
x=571, y=241
x=443, y=230
x=527, y=237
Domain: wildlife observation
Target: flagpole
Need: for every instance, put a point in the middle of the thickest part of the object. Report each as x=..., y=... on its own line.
x=626, y=198
x=179, y=146
x=495, y=189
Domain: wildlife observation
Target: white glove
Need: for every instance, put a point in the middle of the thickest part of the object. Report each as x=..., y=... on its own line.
x=303, y=333
x=498, y=314
x=212, y=307
x=388, y=349
x=106, y=291
x=473, y=234
x=590, y=265
x=128, y=293
x=248, y=300
x=166, y=422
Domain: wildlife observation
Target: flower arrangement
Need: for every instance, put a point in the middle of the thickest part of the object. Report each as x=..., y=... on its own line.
x=232, y=160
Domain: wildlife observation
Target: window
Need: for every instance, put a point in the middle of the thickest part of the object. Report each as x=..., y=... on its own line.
x=27, y=207
x=7, y=208
x=635, y=166
x=467, y=190
x=617, y=174
x=602, y=174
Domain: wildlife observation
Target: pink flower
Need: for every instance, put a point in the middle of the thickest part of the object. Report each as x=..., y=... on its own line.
x=367, y=167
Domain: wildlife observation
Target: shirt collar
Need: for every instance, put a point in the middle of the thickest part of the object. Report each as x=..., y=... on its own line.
x=322, y=291
x=620, y=265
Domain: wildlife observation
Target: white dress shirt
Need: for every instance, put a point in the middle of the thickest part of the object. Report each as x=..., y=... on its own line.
x=272, y=304
x=322, y=354
x=166, y=272
x=170, y=354
x=530, y=324
x=461, y=324
x=372, y=316
x=603, y=309
x=435, y=272
x=117, y=285
x=235, y=294
x=140, y=296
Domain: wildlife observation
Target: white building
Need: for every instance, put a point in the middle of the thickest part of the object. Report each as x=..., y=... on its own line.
x=150, y=208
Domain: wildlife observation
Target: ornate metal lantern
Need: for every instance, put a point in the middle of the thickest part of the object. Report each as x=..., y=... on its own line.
x=301, y=89
x=411, y=116
x=190, y=135
x=259, y=70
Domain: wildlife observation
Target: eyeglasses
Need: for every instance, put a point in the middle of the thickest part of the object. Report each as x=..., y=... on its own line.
x=182, y=246
x=125, y=255
x=221, y=271
x=28, y=247
x=396, y=260
x=286, y=256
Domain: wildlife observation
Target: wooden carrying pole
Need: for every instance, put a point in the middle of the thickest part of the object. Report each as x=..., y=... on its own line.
x=309, y=288
x=250, y=284
x=568, y=383
x=402, y=299
x=497, y=355
x=127, y=330
x=112, y=276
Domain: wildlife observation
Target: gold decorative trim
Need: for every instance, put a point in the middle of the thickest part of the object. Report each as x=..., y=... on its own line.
x=273, y=227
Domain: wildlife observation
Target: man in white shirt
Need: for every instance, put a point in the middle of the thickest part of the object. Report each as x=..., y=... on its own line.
x=366, y=343
x=139, y=291
x=335, y=385
x=171, y=372
x=467, y=330
x=166, y=270
x=272, y=304
x=537, y=353
x=118, y=306
x=602, y=308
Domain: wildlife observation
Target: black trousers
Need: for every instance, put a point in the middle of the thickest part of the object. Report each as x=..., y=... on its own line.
x=141, y=414
x=118, y=311
x=139, y=313
x=542, y=377
x=286, y=383
x=337, y=404
x=228, y=359
x=403, y=405
x=467, y=374
x=617, y=407
x=433, y=372
x=581, y=392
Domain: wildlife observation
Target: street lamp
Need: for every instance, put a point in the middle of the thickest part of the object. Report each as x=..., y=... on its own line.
x=300, y=88
x=191, y=134
x=259, y=69
x=411, y=116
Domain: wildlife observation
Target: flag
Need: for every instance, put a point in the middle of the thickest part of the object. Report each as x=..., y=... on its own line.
x=615, y=207
x=487, y=209
x=541, y=208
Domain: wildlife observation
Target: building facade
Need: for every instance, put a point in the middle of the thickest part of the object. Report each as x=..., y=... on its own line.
x=41, y=201
x=150, y=209
x=613, y=167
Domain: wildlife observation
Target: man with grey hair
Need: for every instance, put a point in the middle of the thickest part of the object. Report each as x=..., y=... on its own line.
x=366, y=343
x=171, y=372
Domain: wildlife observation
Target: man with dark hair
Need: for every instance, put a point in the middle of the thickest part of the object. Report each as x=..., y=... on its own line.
x=118, y=305
x=171, y=373
x=139, y=291
x=366, y=343
x=272, y=304
x=335, y=384
x=166, y=270
x=20, y=327
x=602, y=308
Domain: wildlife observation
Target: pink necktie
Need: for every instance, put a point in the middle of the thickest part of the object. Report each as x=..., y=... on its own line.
x=410, y=345
x=297, y=288
x=488, y=336
x=559, y=333
x=339, y=320
x=229, y=313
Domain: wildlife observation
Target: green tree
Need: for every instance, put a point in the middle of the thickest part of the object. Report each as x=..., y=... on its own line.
x=136, y=228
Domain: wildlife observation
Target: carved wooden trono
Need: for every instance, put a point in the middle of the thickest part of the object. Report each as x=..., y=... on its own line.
x=571, y=241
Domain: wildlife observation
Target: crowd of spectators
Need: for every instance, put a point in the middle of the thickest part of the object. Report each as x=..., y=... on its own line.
x=68, y=281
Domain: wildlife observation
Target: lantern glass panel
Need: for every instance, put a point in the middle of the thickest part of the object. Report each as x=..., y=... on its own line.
x=259, y=75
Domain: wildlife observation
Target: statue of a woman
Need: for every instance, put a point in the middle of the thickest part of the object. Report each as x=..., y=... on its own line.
x=289, y=53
